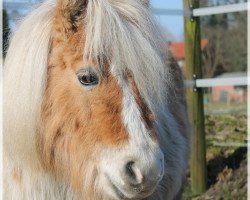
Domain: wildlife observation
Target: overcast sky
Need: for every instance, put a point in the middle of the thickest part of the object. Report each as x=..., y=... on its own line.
x=173, y=24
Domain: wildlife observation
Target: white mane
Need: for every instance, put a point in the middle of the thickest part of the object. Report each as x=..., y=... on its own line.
x=25, y=71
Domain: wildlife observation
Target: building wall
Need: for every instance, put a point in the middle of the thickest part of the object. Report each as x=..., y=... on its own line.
x=228, y=94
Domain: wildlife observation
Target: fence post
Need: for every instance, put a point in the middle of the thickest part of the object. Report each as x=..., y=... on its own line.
x=195, y=99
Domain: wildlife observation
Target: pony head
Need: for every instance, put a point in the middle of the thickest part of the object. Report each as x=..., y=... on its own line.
x=94, y=119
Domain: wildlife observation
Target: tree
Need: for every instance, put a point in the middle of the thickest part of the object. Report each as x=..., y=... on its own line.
x=227, y=35
x=6, y=32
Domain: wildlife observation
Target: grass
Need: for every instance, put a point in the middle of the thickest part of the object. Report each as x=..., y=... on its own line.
x=224, y=108
x=226, y=166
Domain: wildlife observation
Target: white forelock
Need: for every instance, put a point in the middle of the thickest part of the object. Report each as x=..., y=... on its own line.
x=125, y=33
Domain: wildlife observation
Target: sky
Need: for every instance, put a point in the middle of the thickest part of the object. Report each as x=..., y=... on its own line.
x=172, y=23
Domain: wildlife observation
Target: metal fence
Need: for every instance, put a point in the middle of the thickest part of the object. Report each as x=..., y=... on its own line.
x=192, y=13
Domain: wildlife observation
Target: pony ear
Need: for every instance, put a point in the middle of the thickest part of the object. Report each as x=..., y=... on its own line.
x=71, y=13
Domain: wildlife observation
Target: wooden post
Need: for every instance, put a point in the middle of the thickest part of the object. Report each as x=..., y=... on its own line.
x=195, y=100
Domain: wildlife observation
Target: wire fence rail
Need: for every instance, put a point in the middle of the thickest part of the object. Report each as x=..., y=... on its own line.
x=195, y=83
x=198, y=12
x=220, y=9
x=211, y=82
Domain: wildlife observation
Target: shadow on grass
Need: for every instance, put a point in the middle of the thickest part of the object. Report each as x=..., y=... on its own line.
x=216, y=165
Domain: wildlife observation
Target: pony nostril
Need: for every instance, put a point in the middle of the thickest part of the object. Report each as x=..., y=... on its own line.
x=133, y=172
x=129, y=169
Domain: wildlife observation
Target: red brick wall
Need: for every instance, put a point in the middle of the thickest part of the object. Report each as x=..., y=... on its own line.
x=233, y=95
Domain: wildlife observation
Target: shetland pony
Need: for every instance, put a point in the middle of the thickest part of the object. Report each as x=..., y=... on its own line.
x=93, y=107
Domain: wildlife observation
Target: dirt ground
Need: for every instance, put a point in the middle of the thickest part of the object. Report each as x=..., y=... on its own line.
x=226, y=137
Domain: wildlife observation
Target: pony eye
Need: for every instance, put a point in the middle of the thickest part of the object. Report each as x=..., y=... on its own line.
x=88, y=77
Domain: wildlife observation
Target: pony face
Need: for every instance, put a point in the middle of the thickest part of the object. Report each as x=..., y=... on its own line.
x=97, y=133
x=98, y=112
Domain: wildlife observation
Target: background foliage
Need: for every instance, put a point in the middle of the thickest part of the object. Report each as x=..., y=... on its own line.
x=227, y=35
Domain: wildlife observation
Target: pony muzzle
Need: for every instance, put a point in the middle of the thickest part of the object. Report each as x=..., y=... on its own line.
x=134, y=177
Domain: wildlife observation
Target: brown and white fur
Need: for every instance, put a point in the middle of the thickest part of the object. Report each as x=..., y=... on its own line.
x=126, y=137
